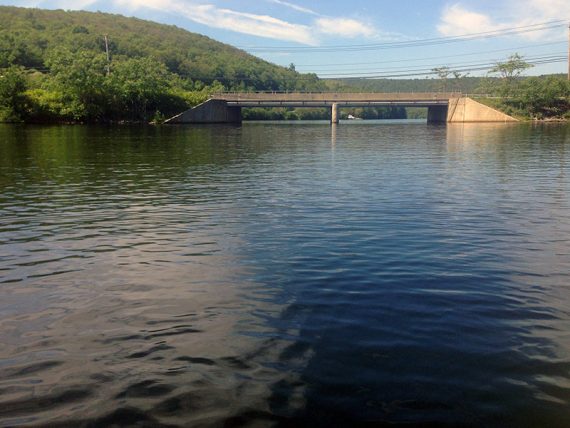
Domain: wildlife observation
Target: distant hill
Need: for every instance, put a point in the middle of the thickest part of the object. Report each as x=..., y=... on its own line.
x=27, y=36
x=466, y=85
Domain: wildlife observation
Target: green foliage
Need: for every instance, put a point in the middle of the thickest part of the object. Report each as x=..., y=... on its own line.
x=509, y=71
x=47, y=106
x=80, y=76
x=12, y=99
x=463, y=83
x=543, y=98
x=512, y=67
x=136, y=85
x=152, y=67
x=279, y=113
x=416, y=113
x=375, y=112
x=258, y=113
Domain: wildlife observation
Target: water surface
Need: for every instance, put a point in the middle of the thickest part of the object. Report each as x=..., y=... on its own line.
x=280, y=274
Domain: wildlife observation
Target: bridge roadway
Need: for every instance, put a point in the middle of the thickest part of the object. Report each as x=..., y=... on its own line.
x=442, y=106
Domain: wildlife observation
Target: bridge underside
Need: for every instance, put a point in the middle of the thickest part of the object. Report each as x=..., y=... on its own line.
x=439, y=110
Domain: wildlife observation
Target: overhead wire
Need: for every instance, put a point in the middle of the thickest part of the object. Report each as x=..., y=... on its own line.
x=414, y=43
x=452, y=67
x=513, y=49
x=487, y=67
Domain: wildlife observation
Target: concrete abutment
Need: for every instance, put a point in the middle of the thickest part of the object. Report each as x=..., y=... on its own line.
x=211, y=111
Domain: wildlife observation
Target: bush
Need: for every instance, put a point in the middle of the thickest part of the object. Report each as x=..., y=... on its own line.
x=46, y=106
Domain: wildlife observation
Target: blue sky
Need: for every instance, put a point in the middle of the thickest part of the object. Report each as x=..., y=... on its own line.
x=304, y=32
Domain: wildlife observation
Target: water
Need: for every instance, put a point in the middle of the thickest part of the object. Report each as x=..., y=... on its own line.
x=285, y=275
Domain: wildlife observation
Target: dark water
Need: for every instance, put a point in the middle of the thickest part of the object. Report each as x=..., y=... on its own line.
x=287, y=275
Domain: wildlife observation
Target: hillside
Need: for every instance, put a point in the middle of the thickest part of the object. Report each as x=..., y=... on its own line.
x=54, y=67
x=466, y=85
x=28, y=36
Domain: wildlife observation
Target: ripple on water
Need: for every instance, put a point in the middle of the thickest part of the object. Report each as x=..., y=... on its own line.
x=276, y=274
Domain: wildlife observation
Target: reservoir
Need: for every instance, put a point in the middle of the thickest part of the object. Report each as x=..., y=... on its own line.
x=285, y=274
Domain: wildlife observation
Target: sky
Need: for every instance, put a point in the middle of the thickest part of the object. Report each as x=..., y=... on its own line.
x=365, y=38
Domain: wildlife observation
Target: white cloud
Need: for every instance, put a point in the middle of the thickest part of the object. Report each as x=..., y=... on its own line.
x=266, y=26
x=457, y=20
x=294, y=7
x=261, y=25
x=247, y=23
x=344, y=27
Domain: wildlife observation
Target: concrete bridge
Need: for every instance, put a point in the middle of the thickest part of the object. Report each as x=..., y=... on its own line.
x=442, y=107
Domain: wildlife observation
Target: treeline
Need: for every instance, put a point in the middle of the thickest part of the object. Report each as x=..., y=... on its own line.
x=465, y=84
x=258, y=113
x=83, y=66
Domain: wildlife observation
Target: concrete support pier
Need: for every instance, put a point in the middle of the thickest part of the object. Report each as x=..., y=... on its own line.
x=334, y=113
x=437, y=114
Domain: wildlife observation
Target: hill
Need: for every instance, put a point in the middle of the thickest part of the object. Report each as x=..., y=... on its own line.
x=155, y=66
x=464, y=84
x=28, y=36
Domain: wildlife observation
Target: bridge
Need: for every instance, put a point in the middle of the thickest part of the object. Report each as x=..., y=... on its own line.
x=450, y=107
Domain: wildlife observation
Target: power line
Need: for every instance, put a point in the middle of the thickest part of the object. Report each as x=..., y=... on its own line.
x=514, y=49
x=414, y=43
x=432, y=73
x=452, y=67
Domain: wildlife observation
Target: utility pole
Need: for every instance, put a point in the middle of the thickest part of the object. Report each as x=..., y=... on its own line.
x=108, y=58
x=569, y=51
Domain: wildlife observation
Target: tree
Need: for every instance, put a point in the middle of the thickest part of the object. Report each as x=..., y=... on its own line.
x=457, y=76
x=80, y=78
x=137, y=85
x=442, y=73
x=544, y=97
x=510, y=70
x=12, y=98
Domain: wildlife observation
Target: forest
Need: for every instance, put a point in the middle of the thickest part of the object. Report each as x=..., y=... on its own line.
x=74, y=66
x=91, y=67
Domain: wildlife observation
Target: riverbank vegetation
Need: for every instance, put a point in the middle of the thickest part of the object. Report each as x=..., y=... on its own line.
x=533, y=98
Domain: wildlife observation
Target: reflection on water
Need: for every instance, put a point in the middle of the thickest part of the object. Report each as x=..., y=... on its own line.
x=279, y=274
